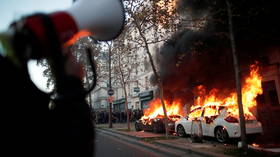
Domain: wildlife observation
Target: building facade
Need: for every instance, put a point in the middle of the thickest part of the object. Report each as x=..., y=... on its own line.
x=138, y=87
x=268, y=108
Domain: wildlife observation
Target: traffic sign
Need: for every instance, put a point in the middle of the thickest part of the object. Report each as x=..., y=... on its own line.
x=110, y=92
x=110, y=99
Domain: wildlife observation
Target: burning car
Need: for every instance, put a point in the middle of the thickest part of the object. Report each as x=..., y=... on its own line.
x=216, y=121
x=217, y=112
x=156, y=124
x=153, y=119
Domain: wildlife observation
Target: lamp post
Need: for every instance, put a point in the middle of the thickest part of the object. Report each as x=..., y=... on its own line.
x=110, y=91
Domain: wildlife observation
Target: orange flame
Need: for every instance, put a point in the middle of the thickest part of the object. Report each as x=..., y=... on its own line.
x=155, y=109
x=80, y=34
x=250, y=90
x=168, y=5
x=255, y=145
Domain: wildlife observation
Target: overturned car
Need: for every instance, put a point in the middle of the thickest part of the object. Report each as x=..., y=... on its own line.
x=156, y=124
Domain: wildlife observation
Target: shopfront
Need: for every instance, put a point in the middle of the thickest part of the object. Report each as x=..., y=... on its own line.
x=119, y=105
x=145, y=98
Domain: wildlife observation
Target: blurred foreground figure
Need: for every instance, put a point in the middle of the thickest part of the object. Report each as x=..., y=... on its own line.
x=29, y=127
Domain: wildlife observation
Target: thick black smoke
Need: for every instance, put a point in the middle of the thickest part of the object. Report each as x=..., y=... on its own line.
x=191, y=58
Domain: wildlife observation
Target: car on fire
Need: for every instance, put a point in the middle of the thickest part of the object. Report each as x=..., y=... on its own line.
x=216, y=121
x=156, y=124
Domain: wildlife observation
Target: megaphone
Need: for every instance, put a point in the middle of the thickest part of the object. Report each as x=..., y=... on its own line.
x=104, y=19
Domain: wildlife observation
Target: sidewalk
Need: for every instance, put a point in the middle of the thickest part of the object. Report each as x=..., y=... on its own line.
x=207, y=148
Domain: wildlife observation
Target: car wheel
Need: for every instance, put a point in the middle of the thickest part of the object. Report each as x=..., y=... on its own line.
x=181, y=131
x=221, y=135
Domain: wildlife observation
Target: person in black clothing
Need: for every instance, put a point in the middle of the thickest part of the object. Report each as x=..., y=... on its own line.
x=29, y=127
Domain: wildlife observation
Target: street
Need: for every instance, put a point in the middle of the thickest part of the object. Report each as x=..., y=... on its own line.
x=107, y=146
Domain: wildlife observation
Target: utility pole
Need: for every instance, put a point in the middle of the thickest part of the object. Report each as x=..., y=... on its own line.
x=110, y=91
x=237, y=79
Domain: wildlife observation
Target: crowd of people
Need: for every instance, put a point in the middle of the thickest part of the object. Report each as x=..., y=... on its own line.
x=102, y=117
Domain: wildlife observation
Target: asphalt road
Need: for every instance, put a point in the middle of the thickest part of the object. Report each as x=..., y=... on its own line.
x=107, y=146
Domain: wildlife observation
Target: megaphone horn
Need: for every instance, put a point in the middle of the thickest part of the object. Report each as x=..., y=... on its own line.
x=103, y=18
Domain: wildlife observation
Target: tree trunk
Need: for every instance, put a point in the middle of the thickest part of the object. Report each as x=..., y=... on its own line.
x=126, y=108
x=125, y=93
x=237, y=79
x=164, y=109
x=159, y=82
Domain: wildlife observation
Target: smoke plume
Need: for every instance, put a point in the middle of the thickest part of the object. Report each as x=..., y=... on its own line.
x=203, y=57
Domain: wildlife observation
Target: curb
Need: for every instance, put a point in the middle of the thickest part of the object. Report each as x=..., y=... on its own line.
x=188, y=150
x=139, y=143
x=119, y=132
x=192, y=150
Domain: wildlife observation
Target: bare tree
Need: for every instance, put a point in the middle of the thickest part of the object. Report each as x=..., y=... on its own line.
x=152, y=24
x=124, y=63
x=237, y=79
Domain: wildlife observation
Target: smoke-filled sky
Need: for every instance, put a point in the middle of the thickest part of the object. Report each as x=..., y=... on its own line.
x=191, y=58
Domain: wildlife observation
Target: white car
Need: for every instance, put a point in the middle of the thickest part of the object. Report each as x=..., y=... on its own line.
x=219, y=124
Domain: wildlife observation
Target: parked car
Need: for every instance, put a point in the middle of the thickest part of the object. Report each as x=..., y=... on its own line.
x=156, y=125
x=219, y=124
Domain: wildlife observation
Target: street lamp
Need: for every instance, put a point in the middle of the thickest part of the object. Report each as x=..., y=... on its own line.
x=110, y=91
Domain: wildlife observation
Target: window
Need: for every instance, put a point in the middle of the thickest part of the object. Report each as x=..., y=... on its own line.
x=137, y=105
x=146, y=83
